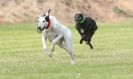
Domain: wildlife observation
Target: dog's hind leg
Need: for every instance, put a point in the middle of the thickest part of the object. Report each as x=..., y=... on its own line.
x=90, y=45
x=88, y=41
x=67, y=45
x=62, y=44
x=69, y=50
x=55, y=41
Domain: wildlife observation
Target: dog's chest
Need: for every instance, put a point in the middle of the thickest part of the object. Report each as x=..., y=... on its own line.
x=82, y=30
x=51, y=34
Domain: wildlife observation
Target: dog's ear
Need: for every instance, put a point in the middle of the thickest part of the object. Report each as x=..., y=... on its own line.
x=47, y=17
x=44, y=14
x=48, y=11
x=76, y=16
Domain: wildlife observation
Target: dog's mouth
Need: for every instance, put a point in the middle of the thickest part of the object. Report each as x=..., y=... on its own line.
x=39, y=29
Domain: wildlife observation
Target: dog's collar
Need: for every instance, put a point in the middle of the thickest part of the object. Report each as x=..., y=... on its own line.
x=48, y=24
x=82, y=20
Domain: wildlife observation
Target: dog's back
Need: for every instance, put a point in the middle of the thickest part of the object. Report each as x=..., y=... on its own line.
x=90, y=23
x=58, y=27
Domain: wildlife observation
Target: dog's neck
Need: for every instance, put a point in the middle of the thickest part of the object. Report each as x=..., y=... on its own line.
x=82, y=20
x=48, y=26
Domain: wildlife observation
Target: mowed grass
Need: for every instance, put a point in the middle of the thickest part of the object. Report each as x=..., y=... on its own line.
x=22, y=55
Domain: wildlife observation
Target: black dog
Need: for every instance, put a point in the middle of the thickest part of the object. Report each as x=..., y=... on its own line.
x=86, y=27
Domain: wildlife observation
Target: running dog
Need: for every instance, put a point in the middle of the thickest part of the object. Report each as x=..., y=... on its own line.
x=86, y=26
x=56, y=33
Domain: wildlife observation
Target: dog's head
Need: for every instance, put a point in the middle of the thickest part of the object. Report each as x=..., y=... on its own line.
x=43, y=21
x=79, y=17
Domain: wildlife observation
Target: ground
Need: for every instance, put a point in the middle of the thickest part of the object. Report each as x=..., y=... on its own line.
x=18, y=11
x=22, y=55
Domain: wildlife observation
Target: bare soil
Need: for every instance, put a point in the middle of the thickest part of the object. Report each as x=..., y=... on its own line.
x=17, y=11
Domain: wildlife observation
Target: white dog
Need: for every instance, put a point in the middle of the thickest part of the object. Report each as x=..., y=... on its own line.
x=56, y=33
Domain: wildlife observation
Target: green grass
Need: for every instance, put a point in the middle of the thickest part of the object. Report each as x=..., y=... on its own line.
x=22, y=55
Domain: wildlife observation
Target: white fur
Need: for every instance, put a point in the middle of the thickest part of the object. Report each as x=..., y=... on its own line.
x=57, y=34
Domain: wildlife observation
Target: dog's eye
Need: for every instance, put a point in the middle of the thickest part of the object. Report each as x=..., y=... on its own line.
x=43, y=21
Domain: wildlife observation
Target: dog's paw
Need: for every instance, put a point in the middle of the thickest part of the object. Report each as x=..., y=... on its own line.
x=50, y=55
x=91, y=47
x=52, y=49
x=81, y=41
x=73, y=62
x=47, y=50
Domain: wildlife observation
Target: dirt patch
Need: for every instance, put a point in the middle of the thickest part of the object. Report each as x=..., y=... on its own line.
x=16, y=11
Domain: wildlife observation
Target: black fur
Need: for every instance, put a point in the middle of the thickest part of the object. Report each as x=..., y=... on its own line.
x=88, y=25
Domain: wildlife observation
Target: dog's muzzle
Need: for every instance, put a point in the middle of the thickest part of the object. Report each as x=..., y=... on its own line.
x=39, y=30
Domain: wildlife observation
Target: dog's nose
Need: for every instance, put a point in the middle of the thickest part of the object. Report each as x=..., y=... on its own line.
x=39, y=28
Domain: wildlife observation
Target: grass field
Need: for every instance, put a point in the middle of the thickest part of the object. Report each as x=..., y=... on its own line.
x=22, y=56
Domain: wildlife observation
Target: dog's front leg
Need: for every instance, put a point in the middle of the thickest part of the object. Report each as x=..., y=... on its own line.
x=44, y=39
x=82, y=39
x=55, y=41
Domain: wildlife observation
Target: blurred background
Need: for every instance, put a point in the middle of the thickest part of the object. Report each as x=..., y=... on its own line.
x=21, y=11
